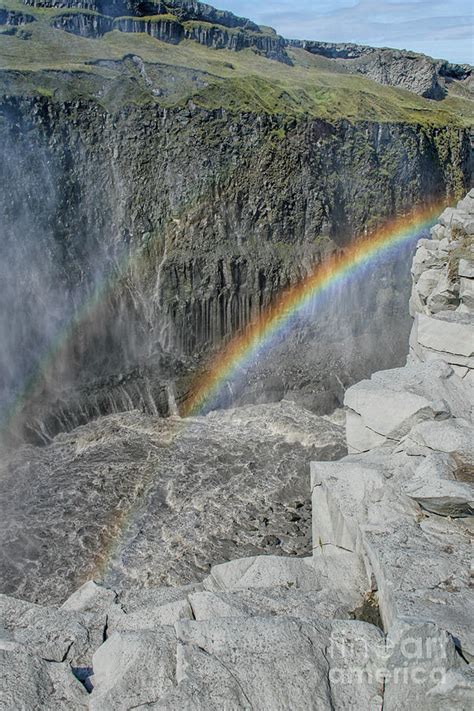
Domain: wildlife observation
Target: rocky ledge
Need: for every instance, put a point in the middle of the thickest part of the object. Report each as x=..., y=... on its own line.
x=172, y=21
x=14, y=18
x=415, y=72
x=379, y=616
x=442, y=303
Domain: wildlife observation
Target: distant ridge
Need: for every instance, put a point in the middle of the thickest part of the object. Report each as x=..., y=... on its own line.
x=175, y=21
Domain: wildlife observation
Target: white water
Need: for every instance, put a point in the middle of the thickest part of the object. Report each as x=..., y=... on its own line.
x=171, y=395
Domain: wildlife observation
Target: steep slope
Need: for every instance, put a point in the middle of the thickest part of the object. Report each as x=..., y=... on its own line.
x=431, y=78
x=177, y=21
x=156, y=196
x=42, y=38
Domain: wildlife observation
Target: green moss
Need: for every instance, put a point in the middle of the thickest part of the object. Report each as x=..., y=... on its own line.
x=236, y=81
x=150, y=18
x=264, y=30
x=279, y=133
x=43, y=91
x=448, y=147
x=196, y=24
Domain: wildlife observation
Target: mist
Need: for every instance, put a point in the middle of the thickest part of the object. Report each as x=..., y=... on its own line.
x=132, y=251
x=73, y=320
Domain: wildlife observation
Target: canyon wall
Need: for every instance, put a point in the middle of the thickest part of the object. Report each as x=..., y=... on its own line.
x=379, y=616
x=395, y=67
x=151, y=235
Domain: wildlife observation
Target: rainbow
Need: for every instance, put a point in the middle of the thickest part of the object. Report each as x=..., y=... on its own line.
x=242, y=350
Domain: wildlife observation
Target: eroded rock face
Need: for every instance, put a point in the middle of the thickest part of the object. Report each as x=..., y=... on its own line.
x=404, y=503
x=161, y=489
x=264, y=199
x=14, y=18
x=171, y=21
x=83, y=24
x=416, y=72
x=443, y=285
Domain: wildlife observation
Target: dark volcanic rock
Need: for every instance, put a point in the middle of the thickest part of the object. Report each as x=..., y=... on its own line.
x=83, y=23
x=165, y=29
x=220, y=37
x=212, y=214
x=194, y=10
x=14, y=18
x=135, y=499
x=408, y=70
x=182, y=9
x=110, y=8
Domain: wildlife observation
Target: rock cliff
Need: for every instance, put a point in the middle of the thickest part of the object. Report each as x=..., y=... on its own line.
x=177, y=20
x=408, y=70
x=379, y=616
x=443, y=295
x=172, y=22
x=212, y=214
x=156, y=194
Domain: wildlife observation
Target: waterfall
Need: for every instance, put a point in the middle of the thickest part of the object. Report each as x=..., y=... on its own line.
x=157, y=303
x=173, y=410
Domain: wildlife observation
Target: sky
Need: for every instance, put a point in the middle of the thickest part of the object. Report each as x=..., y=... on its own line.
x=439, y=28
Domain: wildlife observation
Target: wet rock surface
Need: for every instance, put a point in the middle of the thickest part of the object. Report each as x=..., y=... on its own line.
x=265, y=199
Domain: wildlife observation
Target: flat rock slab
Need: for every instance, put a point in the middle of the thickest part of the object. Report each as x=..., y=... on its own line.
x=136, y=500
x=264, y=572
x=309, y=604
x=442, y=486
x=453, y=436
x=360, y=505
x=265, y=663
x=387, y=406
x=28, y=682
x=447, y=332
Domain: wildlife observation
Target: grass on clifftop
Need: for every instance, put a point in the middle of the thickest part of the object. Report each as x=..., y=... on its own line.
x=38, y=59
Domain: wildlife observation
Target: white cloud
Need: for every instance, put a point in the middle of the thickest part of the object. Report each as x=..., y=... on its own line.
x=435, y=27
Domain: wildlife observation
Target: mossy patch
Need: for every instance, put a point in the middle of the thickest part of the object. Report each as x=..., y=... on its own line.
x=236, y=81
x=150, y=18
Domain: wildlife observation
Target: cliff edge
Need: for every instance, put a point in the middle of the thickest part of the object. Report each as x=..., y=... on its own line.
x=380, y=616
